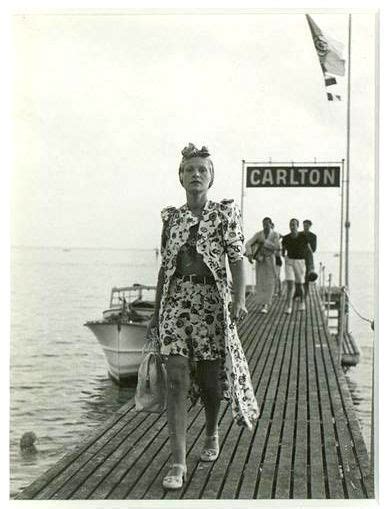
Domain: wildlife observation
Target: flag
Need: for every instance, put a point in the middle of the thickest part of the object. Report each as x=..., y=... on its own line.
x=330, y=57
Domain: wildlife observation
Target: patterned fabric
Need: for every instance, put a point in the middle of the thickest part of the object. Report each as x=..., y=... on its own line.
x=193, y=322
x=219, y=235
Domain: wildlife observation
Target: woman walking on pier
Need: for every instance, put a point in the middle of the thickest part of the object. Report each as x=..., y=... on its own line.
x=195, y=313
x=262, y=248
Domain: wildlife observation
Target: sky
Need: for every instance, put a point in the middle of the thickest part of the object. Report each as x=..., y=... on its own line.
x=104, y=104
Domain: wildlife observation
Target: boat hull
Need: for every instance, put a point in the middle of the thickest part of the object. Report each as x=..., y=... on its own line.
x=122, y=344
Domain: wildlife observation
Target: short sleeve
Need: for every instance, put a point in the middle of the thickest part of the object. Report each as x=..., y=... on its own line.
x=233, y=231
x=166, y=215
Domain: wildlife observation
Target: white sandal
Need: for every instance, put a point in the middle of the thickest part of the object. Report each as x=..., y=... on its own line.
x=210, y=453
x=175, y=482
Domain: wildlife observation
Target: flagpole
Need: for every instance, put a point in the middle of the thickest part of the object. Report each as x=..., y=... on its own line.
x=342, y=190
x=347, y=222
x=242, y=187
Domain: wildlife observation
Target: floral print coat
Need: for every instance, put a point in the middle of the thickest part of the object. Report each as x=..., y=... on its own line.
x=219, y=234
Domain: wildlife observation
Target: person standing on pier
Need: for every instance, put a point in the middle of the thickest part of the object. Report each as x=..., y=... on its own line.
x=309, y=259
x=196, y=315
x=294, y=246
x=278, y=266
x=262, y=248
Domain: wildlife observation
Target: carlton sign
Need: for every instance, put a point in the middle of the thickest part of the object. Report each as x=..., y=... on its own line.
x=293, y=176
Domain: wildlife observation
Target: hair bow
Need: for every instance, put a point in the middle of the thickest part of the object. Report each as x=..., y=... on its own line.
x=192, y=151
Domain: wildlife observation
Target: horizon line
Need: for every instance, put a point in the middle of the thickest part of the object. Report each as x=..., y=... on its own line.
x=112, y=248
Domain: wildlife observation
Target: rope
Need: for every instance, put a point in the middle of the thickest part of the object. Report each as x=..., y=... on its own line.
x=371, y=322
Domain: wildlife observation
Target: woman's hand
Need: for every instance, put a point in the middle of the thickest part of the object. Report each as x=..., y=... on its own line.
x=238, y=311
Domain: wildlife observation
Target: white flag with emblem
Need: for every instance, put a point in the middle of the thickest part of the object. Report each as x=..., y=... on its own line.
x=330, y=57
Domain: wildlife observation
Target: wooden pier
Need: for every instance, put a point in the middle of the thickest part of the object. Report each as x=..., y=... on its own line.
x=307, y=443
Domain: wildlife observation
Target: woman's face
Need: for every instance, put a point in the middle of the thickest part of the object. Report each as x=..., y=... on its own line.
x=196, y=174
x=266, y=224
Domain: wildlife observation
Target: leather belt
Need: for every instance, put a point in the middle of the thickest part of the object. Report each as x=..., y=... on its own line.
x=193, y=278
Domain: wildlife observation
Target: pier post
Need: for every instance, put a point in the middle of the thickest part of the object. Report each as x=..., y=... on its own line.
x=329, y=295
x=324, y=287
x=342, y=320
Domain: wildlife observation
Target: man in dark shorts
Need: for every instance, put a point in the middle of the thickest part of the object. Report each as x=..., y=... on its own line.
x=294, y=246
x=312, y=243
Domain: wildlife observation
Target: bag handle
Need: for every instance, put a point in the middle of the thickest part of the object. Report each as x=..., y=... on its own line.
x=147, y=383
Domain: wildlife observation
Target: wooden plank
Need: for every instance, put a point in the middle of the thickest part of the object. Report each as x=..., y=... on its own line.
x=351, y=470
x=333, y=467
x=271, y=459
x=358, y=442
x=237, y=461
x=262, y=370
x=80, y=460
x=300, y=465
x=285, y=467
x=332, y=464
x=102, y=433
x=253, y=466
x=194, y=438
x=79, y=471
x=107, y=468
x=316, y=463
x=152, y=467
x=70, y=473
x=211, y=477
x=135, y=483
x=155, y=490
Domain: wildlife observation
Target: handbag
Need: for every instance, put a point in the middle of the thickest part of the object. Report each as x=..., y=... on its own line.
x=151, y=391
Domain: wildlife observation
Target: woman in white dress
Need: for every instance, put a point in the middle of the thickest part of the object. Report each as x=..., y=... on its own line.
x=262, y=248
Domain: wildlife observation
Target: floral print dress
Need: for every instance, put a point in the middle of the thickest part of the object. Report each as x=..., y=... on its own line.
x=219, y=235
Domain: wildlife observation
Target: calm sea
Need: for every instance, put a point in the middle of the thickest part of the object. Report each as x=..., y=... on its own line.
x=59, y=384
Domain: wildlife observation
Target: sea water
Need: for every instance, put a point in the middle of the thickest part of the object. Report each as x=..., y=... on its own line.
x=60, y=388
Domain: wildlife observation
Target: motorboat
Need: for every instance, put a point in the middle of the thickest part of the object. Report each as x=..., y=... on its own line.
x=122, y=330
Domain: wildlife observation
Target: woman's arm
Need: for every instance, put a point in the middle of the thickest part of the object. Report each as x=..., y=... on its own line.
x=238, y=280
x=253, y=241
x=166, y=216
x=158, y=293
x=249, y=243
x=234, y=247
x=154, y=320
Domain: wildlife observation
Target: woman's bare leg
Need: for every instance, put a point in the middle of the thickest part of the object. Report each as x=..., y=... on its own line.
x=178, y=387
x=208, y=377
